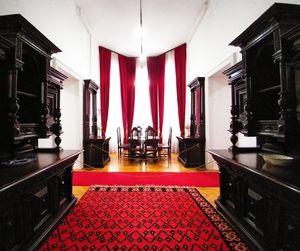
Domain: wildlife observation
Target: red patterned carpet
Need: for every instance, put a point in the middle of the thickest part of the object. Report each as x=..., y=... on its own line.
x=143, y=218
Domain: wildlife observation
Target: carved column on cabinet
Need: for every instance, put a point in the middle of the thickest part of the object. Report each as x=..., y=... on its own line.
x=13, y=104
x=55, y=84
x=238, y=116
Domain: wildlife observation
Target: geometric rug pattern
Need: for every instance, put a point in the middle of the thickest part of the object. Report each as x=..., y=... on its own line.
x=143, y=218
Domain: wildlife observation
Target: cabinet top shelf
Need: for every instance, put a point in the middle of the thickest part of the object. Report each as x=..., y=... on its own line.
x=43, y=161
x=254, y=163
x=277, y=13
x=17, y=24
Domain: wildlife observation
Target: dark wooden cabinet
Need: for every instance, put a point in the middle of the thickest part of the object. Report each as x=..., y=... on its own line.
x=191, y=151
x=265, y=84
x=26, y=82
x=192, y=146
x=96, y=151
x=34, y=198
x=261, y=199
x=95, y=144
x=35, y=184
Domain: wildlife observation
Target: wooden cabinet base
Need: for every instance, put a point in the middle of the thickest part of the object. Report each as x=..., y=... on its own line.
x=96, y=152
x=43, y=233
x=34, y=197
x=191, y=152
x=262, y=201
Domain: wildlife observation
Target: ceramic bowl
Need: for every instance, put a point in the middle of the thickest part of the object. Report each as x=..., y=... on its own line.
x=277, y=159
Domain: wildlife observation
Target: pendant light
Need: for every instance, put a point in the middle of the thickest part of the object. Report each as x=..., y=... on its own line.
x=142, y=56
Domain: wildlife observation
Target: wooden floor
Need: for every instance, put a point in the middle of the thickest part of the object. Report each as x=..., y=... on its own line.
x=164, y=165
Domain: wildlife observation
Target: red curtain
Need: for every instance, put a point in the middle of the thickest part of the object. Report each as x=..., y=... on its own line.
x=105, y=62
x=156, y=75
x=180, y=69
x=127, y=68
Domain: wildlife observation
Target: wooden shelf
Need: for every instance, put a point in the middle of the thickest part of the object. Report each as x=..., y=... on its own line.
x=269, y=89
x=27, y=94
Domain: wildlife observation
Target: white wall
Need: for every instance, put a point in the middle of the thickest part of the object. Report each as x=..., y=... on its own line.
x=219, y=112
x=223, y=22
x=59, y=22
x=70, y=106
x=208, y=48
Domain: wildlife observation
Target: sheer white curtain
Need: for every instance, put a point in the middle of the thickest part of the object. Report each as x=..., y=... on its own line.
x=114, y=113
x=142, y=111
x=171, y=110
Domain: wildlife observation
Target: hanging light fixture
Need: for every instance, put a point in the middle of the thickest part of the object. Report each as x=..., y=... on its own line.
x=142, y=57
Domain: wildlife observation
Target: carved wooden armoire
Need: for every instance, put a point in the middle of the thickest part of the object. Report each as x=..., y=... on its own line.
x=35, y=186
x=192, y=146
x=95, y=145
x=263, y=199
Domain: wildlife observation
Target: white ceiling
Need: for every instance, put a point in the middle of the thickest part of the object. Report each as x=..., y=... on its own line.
x=167, y=23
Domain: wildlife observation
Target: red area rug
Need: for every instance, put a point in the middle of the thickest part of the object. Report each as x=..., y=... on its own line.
x=198, y=179
x=143, y=218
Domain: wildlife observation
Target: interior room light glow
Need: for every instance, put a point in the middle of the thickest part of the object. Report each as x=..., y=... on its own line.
x=142, y=58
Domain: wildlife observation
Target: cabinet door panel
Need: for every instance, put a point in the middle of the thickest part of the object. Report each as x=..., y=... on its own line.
x=230, y=187
x=10, y=226
x=64, y=187
x=289, y=231
x=37, y=208
x=256, y=207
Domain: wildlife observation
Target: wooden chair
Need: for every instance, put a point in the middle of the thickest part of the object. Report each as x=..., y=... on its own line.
x=140, y=130
x=134, y=140
x=122, y=148
x=150, y=143
x=165, y=149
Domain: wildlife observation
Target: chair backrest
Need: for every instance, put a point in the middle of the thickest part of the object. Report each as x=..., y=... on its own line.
x=119, y=136
x=150, y=133
x=170, y=136
x=135, y=133
x=140, y=129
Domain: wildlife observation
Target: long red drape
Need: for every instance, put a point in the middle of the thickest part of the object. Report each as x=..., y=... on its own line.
x=105, y=62
x=180, y=69
x=127, y=68
x=156, y=75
